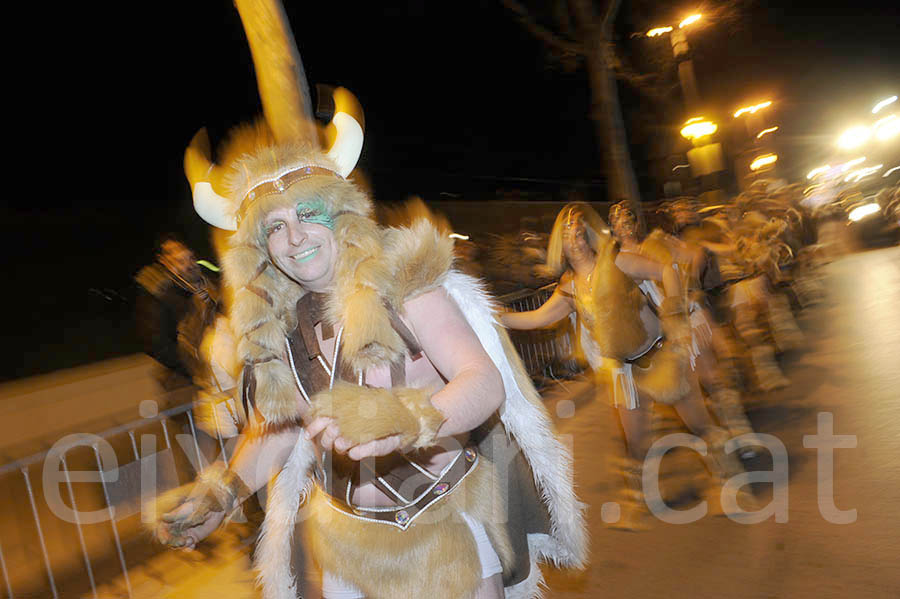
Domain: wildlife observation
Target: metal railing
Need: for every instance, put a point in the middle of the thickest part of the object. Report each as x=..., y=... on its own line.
x=546, y=353
x=44, y=516
x=37, y=535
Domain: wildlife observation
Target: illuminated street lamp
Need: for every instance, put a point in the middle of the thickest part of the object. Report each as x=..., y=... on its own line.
x=762, y=161
x=887, y=127
x=884, y=103
x=860, y=212
x=658, y=31
x=697, y=128
x=681, y=52
x=752, y=109
x=689, y=21
x=818, y=171
x=854, y=137
x=766, y=132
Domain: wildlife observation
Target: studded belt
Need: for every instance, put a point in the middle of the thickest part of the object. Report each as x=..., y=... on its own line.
x=411, y=487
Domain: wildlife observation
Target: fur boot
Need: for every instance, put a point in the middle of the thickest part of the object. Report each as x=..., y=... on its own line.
x=785, y=331
x=729, y=411
x=768, y=375
x=723, y=466
x=633, y=515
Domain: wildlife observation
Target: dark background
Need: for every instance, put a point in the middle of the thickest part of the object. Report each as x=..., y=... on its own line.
x=458, y=98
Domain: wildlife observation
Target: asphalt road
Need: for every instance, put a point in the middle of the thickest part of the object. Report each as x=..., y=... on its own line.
x=848, y=374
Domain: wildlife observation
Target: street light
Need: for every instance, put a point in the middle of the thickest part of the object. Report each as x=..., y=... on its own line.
x=764, y=160
x=818, y=171
x=752, y=109
x=884, y=103
x=766, y=132
x=887, y=127
x=658, y=31
x=689, y=21
x=697, y=128
x=854, y=137
x=681, y=52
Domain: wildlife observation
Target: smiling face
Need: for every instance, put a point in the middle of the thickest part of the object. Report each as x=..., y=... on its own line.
x=574, y=235
x=301, y=247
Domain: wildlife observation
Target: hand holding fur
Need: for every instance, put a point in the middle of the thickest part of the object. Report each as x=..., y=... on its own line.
x=191, y=512
x=364, y=414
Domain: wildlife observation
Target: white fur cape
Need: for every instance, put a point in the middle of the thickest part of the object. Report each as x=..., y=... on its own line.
x=524, y=418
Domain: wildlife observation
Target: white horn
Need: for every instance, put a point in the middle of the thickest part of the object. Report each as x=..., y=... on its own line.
x=213, y=208
x=346, y=129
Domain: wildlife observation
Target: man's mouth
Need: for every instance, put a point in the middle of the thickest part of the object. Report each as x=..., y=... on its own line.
x=306, y=255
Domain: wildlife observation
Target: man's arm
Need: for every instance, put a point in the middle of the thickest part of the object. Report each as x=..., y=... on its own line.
x=474, y=389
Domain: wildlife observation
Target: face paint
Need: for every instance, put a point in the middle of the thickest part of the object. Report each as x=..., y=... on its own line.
x=314, y=212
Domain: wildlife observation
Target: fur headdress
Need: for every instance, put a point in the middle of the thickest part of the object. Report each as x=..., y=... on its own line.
x=279, y=162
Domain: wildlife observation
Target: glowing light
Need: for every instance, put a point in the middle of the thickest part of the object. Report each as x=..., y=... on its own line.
x=887, y=127
x=678, y=166
x=689, y=21
x=818, y=171
x=884, y=103
x=459, y=236
x=811, y=188
x=853, y=162
x=764, y=160
x=658, y=31
x=693, y=120
x=860, y=212
x=695, y=129
x=854, y=137
x=752, y=109
x=891, y=171
x=766, y=131
x=860, y=174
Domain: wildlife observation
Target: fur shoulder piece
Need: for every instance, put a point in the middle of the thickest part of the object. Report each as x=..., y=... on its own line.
x=379, y=270
x=418, y=258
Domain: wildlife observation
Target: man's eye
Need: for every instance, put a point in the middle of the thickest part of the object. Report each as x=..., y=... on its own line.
x=308, y=214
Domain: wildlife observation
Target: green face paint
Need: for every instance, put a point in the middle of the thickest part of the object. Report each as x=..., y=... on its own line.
x=315, y=212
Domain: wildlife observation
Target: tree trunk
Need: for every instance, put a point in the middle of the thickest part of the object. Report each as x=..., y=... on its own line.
x=605, y=110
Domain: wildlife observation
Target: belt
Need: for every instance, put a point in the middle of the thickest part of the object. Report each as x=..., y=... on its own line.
x=418, y=489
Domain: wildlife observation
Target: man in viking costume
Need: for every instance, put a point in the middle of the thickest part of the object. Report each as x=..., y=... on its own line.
x=638, y=352
x=691, y=263
x=375, y=380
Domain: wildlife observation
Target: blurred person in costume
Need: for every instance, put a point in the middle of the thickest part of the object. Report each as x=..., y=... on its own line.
x=691, y=262
x=638, y=352
x=377, y=385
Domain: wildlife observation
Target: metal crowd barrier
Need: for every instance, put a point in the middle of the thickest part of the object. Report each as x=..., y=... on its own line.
x=39, y=525
x=43, y=518
x=546, y=353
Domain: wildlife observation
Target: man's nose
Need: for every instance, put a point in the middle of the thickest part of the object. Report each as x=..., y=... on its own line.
x=297, y=234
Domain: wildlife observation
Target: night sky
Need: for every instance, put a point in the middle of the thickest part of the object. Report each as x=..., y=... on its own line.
x=458, y=98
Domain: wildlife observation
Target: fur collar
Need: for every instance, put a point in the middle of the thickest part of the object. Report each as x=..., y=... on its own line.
x=378, y=270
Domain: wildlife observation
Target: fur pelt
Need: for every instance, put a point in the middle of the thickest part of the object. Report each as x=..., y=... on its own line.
x=525, y=419
x=617, y=301
x=364, y=414
x=435, y=557
x=667, y=378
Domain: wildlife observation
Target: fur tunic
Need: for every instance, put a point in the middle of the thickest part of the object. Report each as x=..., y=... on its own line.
x=415, y=260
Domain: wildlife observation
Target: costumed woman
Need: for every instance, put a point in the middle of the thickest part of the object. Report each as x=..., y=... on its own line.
x=695, y=269
x=639, y=354
x=375, y=380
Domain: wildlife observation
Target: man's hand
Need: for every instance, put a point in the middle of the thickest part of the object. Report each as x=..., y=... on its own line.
x=217, y=492
x=330, y=439
x=188, y=524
